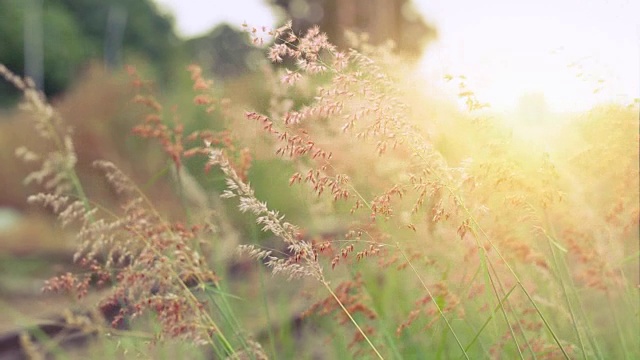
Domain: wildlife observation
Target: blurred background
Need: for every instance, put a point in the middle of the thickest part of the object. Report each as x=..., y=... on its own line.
x=506, y=49
x=530, y=60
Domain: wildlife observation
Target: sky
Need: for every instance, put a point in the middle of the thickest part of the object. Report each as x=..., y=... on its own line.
x=563, y=49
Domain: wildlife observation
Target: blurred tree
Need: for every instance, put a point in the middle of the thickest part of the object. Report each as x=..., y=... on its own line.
x=224, y=51
x=65, y=48
x=11, y=42
x=148, y=32
x=383, y=20
x=62, y=57
x=76, y=31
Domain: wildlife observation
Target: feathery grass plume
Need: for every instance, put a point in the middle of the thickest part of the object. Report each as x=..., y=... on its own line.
x=150, y=265
x=56, y=173
x=303, y=260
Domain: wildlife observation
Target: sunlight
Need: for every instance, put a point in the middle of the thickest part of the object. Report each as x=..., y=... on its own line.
x=507, y=51
x=576, y=54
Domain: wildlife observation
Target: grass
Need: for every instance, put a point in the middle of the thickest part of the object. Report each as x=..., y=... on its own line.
x=390, y=232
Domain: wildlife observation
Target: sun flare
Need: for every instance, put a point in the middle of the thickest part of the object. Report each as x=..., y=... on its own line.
x=508, y=52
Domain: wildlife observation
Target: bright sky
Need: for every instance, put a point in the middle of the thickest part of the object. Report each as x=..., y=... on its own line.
x=564, y=49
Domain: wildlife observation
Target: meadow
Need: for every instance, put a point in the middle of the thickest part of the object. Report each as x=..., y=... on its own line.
x=323, y=208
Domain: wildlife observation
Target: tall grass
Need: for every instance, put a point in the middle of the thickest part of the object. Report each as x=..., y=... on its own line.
x=424, y=236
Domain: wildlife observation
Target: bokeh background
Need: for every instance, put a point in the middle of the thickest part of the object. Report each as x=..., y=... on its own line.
x=534, y=62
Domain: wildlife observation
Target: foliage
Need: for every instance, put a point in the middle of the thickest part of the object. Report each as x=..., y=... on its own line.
x=74, y=33
x=223, y=52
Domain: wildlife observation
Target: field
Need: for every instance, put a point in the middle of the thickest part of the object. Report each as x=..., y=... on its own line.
x=322, y=208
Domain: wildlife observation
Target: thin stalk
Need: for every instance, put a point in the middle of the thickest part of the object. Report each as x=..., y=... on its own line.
x=582, y=314
x=373, y=347
x=265, y=301
x=565, y=293
x=504, y=313
x=487, y=282
x=617, y=322
x=489, y=318
x=433, y=300
x=152, y=180
x=511, y=270
x=391, y=343
x=265, y=304
x=228, y=315
x=183, y=200
x=518, y=323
